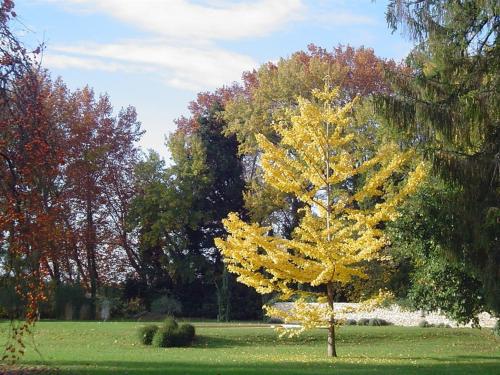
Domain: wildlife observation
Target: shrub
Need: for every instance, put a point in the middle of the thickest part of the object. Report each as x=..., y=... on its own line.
x=165, y=337
x=170, y=334
x=350, y=322
x=185, y=335
x=166, y=305
x=443, y=325
x=109, y=302
x=423, y=323
x=378, y=322
x=147, y=333
x=363, y=322
x=496, y=328
x=170, y=322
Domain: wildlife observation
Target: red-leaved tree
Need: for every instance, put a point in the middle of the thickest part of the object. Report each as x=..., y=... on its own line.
x=31, y=156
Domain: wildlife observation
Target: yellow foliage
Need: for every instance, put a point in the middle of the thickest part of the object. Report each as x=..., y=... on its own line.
x=383, y=298
x=313, y=315
x=347, y=194
x=309, y=315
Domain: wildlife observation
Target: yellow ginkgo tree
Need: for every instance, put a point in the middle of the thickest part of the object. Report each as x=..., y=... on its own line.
x=347, y=194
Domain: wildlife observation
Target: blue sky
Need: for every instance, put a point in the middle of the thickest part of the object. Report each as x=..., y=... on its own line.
x=157, y=54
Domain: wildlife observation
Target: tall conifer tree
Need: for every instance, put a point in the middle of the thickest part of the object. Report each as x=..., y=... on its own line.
x=447, y=102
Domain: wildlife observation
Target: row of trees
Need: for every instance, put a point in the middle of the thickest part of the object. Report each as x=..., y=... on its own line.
x=66, y=177
x=66, y=185
x=82, y=205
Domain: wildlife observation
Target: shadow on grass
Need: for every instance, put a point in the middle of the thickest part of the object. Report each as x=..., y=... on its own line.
x=276, y=368
x=209, y=341
x=27, y=370
x=367, y=335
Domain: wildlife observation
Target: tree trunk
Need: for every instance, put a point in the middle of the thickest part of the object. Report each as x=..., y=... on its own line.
x=57, y=272
x=132, y=257
x=73, y=246
x=91, y=261
x=332, y=351
x=223, y=297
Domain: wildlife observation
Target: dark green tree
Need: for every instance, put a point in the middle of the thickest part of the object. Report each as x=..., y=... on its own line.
x=447, y=103
x=425, y=274
x=220, y=192
x=178, y=212
x=161, y=214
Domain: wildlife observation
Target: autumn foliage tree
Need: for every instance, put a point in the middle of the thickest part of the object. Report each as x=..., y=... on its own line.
x=97, y=186
x=318, y=160
x=266, y=95
x=66, y=165
x=30, y=162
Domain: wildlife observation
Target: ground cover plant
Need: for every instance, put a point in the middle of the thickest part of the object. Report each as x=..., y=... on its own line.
x=95, y=348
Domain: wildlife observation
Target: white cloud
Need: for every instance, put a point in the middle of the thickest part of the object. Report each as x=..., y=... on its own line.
x=61, y=61
x=211, y=20
x=181, y=49
x=188, y=67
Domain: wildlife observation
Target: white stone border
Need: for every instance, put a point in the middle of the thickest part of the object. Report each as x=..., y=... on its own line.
x=397, y=316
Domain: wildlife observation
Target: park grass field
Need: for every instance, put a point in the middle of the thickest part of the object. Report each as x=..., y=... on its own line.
x=97, y=348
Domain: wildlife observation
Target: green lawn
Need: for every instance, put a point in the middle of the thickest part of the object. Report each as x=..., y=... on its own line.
x=111, y=348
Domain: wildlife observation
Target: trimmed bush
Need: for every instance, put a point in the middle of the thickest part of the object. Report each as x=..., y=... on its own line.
x=170, y=322
x=186, y=334
x=68, y=299
x=165, y=337
x=171, y=335
x=350, y=322
x=378, y=322
x=147, y=333
x=363, y=322
x=11, y=305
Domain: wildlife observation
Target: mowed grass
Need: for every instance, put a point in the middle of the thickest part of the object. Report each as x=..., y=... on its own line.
x=112, y=348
